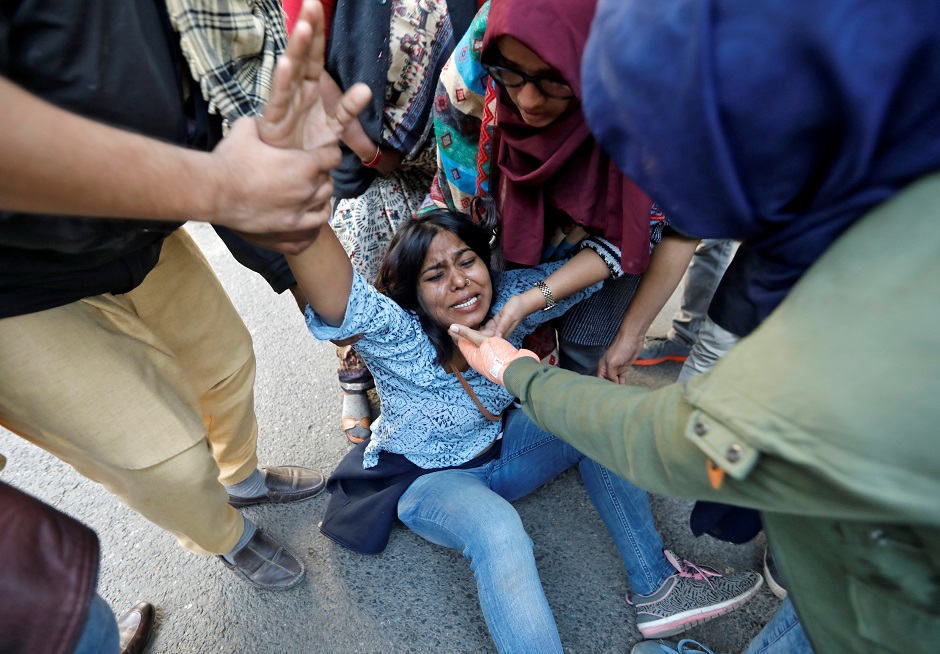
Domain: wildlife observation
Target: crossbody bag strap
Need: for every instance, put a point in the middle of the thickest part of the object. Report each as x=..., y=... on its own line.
x=473, y=396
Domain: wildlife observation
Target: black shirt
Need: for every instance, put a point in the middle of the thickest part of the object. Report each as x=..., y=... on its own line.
x=115, y=62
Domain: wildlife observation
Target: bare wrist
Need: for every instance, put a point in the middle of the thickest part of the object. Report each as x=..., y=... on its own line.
x=374, y=160
x=200, y=190
x=632, y=328
x=213, y=199
x=533, y=301
x=383, y=161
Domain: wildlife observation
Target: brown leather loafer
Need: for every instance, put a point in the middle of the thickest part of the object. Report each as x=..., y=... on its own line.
x=285, y=484
x=135, y=627
x=265, y=563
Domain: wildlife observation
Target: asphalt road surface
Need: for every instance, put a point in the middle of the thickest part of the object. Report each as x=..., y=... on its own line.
x=414, y=597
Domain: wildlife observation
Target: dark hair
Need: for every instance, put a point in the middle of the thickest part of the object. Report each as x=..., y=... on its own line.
x=400, y=273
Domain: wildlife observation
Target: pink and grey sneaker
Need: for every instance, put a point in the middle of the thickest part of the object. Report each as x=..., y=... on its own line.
x=695, y=594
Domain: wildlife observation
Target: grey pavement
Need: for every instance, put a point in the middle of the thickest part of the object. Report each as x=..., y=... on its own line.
x=414, y=597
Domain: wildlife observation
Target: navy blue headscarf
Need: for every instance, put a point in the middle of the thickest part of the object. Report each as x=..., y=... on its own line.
x=779, y=122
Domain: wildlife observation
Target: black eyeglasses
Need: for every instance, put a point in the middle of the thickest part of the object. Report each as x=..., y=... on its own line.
x=512, y=78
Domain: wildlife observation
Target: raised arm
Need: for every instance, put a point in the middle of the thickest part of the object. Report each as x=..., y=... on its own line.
x=324, y=275
x=57, y=162
x=318, y=111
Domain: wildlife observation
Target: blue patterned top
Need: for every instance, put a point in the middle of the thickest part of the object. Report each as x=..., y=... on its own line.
x=427, y=416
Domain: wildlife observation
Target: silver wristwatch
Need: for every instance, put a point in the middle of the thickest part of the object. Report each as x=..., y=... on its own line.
x=547, y=292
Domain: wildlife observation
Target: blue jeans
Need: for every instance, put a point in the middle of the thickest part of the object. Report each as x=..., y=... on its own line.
x=782, y=635
x=101, y=631
x=470, y=510
x=580, y=358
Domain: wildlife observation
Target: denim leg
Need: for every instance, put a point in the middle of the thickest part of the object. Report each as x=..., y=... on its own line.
x=625, y=509
x=456, y=509
x=101, y=631
x=579, y=358
x=709, y=262
x=782, y=635
x=532, y=457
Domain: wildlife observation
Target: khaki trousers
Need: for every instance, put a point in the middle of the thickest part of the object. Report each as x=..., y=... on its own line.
x=149, y=393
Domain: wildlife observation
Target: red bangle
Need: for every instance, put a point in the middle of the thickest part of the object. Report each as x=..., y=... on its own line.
x=375, y=160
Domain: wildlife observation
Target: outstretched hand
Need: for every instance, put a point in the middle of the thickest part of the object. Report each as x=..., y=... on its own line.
x=488, y=355
x=296, y=115
x=275, y=197
x=278, y=197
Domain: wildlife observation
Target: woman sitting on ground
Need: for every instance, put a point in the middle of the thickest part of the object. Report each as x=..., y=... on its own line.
x=449, y=453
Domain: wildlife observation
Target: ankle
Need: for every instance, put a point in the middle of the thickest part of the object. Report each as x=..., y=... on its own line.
x=247, y=535
x=251, y=487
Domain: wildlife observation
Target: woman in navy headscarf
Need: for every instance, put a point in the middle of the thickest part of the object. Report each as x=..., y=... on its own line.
x=779, y=125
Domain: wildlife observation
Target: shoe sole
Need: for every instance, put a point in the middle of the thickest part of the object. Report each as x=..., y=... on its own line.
x=676, y=624
x=779, y=591
x=357, y=429
x=658, y=360
x=351, y=426
x=355, y=440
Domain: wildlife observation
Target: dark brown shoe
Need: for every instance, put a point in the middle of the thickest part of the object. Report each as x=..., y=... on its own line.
x=285, y=484
x=135, y=627
x=265, y=563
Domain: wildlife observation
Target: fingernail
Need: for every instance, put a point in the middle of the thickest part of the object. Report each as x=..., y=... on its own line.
x=455, y=329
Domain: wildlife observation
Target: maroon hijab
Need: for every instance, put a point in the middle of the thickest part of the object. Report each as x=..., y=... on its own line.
x=560, y=165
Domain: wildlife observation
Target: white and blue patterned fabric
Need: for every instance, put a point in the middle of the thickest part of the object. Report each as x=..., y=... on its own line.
x=427, y=416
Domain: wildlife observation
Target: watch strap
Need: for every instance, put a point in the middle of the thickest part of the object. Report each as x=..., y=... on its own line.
x=546, y=293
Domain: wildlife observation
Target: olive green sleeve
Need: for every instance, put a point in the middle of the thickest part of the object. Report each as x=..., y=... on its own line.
x=663, y=444
x=829, y=409
x=656, y=439
x=634, y=432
